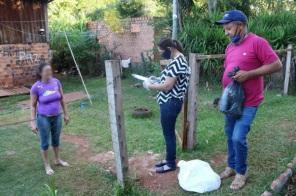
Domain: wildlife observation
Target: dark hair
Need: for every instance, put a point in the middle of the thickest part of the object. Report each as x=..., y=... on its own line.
x=168, y=42
x=40, y=69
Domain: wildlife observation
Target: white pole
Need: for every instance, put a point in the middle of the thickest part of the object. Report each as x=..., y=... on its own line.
x=175, y=19
x=288, y=69
x=116, y=116
x=77, y=67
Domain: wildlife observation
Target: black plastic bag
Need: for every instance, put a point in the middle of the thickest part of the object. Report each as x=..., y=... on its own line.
x=233, y=96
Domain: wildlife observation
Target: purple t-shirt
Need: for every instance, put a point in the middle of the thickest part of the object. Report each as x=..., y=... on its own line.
x=48, y=97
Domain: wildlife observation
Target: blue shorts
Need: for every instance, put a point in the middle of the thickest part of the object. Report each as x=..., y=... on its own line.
x=49, y=126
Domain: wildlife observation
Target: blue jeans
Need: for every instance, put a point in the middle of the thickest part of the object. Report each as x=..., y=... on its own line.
x=49, y=126
x=169, y=112
x=236, y=131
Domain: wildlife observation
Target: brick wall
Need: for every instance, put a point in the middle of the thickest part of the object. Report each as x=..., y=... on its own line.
x=136, y=37
x=18, y=63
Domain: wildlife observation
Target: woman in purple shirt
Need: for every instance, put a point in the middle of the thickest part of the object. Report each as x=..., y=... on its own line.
x=46, y=120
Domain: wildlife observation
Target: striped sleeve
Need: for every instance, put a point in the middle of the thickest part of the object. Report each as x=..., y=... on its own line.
x=177, y=67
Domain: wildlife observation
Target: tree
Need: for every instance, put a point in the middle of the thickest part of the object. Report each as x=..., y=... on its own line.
x=130, y=8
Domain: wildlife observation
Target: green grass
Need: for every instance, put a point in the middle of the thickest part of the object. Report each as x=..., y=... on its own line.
x=21, y=169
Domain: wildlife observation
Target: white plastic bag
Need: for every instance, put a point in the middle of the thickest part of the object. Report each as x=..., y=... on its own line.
x=125, y=63
x=198, y=176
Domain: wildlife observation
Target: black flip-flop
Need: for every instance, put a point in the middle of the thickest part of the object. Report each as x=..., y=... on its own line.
x=165, y=168
x=161, y=163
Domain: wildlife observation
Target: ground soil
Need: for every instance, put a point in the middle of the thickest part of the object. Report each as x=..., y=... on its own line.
x=81, y=143
x=219, y=160
x=141, y=166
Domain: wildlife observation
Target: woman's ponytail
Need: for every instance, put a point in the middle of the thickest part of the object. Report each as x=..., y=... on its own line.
x=170, y=43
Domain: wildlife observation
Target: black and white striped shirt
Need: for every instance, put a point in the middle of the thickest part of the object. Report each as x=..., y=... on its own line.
x=177, y=68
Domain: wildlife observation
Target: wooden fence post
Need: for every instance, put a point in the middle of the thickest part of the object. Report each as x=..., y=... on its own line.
x=288, y=69
x=192, y=101
x=116, y=118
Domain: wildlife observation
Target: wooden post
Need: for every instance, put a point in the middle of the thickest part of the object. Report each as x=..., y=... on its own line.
x=185, y=123
x=46, y=22
x=288, y=69
x=192, y=100
x=116, y=118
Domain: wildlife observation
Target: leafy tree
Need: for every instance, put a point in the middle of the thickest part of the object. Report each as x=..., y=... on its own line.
x=130, y=8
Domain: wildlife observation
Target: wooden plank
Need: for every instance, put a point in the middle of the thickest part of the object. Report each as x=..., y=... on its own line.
x=288, y=69
x=45, y=7
x=185, y=122
x=116, y=118
x=14, y=91
x=178, y=137
x=221, y=56
x=192, y=101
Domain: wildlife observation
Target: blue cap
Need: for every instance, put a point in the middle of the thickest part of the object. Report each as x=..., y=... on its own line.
x=233, y=15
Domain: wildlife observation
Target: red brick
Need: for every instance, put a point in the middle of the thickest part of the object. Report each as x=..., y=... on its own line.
x=24, y=72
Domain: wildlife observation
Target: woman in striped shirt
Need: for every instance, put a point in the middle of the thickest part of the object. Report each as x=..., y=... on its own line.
x=172, y=88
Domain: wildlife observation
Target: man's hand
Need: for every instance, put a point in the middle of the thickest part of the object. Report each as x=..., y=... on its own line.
x=66, y=119
x=34, y=128
x=241, y=76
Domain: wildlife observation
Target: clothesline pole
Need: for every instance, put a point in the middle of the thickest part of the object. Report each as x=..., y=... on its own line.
x=77, y=67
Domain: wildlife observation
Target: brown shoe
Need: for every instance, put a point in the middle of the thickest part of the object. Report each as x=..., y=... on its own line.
x=238, y=182
x=228, y=172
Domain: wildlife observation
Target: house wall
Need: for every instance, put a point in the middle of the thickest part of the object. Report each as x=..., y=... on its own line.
x=21, y=21
x=136, y=37
x=18, y=63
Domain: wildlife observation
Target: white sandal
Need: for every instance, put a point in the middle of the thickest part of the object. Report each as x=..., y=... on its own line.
x=49, y=171
x=238, y=182
x=62, y=163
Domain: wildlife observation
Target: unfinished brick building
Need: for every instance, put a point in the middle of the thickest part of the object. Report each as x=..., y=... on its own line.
x=23, y=41
x=136, y=39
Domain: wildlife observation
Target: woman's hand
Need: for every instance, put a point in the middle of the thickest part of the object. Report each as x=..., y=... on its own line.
x=147, y=83
x=34, y=128
x=66, y=119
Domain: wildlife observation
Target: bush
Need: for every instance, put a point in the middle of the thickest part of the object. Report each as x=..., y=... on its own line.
x=201, y=35
x=130, y=8
x=85, y=49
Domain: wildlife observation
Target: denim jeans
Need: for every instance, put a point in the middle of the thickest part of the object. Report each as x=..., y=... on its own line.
x=236, y=131
x=49, y=126
x=169, y=112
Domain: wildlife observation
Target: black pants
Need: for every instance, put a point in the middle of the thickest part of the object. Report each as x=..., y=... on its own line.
x=169, y=112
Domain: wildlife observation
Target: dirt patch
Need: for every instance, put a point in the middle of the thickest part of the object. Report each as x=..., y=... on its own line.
x=141, y=167
x=69, y=97
x=105, y=159
x=218, y=160
x=81, y=143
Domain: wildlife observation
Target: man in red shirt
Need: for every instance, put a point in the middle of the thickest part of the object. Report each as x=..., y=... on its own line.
x=255, y=58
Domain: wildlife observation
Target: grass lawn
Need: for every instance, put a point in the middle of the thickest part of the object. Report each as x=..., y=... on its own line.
x=22, y=173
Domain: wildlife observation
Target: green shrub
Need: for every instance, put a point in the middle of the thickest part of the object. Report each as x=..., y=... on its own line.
x=130, y=8
x=85, y=49
x=201, y=35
